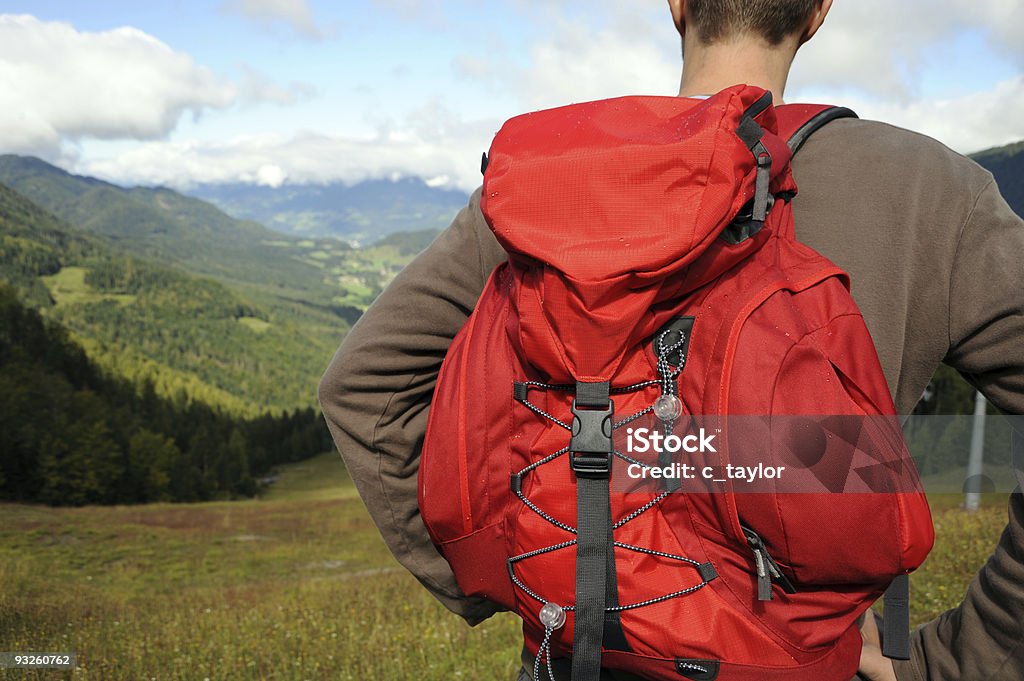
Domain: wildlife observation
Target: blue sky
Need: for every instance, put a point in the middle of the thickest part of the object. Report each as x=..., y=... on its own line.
x=300, y=90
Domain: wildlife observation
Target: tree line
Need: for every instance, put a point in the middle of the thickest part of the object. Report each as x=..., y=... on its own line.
x=71, y=434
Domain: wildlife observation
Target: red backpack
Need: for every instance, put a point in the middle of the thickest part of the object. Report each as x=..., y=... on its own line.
x=654, y=279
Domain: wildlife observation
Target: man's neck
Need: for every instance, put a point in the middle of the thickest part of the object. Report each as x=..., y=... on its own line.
x=707, y=69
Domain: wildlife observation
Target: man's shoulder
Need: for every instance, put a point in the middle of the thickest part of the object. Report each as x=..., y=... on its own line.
x=890, y=153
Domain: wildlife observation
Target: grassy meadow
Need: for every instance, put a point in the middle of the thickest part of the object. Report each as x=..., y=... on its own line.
x=295, y=585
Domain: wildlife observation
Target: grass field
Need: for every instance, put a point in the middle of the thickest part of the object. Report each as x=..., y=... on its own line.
x=68, y=287
x=295, y=585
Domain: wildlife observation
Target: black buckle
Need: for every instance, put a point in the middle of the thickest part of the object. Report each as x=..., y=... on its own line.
x=590, y=450
x=590, y=466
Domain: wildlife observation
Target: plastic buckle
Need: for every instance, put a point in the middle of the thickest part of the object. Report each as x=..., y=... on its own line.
x=590, y=450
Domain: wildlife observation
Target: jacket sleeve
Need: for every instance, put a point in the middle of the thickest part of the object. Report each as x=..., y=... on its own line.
x=986, y=302
x=376, y=392
x=983, y=638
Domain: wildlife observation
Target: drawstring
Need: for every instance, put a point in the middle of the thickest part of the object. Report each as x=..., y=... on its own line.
x=544, y=651
x=552, y=616
x=668, y=407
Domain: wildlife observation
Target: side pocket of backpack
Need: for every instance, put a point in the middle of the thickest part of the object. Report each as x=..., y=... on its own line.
x=464, y=464
x=893, y=475
x=870, y=520
x=463, y=483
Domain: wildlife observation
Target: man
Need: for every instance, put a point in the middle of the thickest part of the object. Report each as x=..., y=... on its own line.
x=936, y=259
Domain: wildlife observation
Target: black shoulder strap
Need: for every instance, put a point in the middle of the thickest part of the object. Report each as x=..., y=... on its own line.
x=818, y=117
x=797, y=122
x=896, y=619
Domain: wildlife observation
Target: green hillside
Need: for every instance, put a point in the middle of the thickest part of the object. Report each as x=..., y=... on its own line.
x=33, y=244
x=167, y=227
x=224, y=345
x=162, y=287
x=322, y=278
x=72, y=434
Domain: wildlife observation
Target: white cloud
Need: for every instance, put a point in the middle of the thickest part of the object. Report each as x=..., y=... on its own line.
x=878, y=48
x=872, y=55
x=294, y=14
x=1003, y=20
x=473, y=67
x=970, y=123
x=58, y=83
x=408, y=9
x=875, y=46
x=882, y=47
x=270, y=176
x=258, y=87
x=440, y=145
x=574, y=61
x=580, y=64
x=424, y=13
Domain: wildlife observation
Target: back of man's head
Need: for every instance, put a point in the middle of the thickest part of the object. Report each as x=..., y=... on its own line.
x=773, y=20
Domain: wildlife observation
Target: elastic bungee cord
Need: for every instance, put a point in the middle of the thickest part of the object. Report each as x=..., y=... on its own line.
x=668, y=408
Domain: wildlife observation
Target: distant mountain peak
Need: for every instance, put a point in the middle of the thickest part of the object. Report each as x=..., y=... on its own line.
x=1007, y=165
x=33, y=165
x=362, y=212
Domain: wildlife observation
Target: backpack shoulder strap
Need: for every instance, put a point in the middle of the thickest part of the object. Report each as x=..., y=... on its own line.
x=797, y=122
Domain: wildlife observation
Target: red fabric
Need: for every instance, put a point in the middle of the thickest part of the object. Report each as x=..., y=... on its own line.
x=611, y=213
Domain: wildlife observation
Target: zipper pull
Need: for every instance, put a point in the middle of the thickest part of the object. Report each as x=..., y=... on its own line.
x=764, y=582
x=767, y=569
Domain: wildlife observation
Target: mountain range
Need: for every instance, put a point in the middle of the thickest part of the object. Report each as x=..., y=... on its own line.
x=165, y=288
x=1007, y=165
x=360, y=213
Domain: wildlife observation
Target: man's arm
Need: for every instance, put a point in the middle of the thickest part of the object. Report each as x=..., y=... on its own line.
x=376, y=392
x=983, y=638
x=986, y=302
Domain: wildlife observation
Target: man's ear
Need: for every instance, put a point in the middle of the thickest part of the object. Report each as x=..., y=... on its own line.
x=817, y=19
x=678, y=8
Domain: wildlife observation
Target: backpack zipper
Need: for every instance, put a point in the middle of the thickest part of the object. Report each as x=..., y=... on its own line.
x=768, y=570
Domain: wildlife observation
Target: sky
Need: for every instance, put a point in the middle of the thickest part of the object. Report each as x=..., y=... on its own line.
x=296, y=91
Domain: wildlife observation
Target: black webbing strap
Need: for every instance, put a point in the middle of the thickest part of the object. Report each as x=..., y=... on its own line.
x=752, y=134
x=593, y=529
x=592, y=395
x=614, y=637
x=816, y=123
x=896, y=619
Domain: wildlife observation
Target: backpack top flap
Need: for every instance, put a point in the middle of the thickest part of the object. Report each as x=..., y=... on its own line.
x=636, y=186
x=603, y=206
